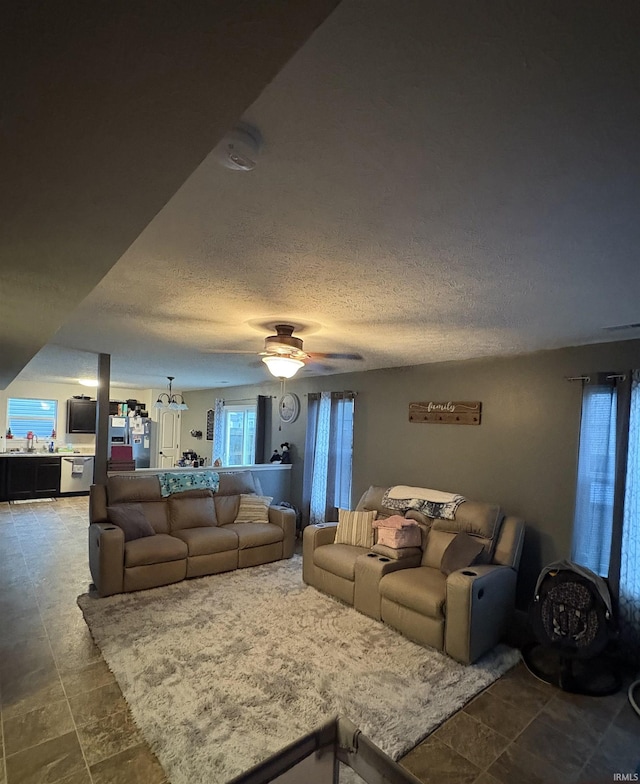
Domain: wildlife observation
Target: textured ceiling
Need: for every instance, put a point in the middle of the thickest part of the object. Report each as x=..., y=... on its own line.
x=438, y=181
x=105, y=109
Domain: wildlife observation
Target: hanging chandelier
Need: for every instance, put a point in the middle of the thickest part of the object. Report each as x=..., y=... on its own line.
x=171, y=400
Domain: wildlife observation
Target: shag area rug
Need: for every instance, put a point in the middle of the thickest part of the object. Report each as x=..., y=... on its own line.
x=221, y=672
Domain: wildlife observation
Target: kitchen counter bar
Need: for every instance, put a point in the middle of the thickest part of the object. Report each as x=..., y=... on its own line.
x=47, y=454
x=219, y=469
x=274, y=478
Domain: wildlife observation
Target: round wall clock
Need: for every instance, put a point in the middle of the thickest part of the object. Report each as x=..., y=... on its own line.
x=289, y=407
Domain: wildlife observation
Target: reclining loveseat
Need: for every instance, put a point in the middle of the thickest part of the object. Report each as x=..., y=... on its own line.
x=186, y=534
x=463, y=613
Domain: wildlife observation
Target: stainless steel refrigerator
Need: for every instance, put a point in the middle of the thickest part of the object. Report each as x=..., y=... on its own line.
x=118, y=431
x=142, y=434
x=137, y=432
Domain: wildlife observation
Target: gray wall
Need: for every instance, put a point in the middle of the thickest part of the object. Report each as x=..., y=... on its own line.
x=522, y=456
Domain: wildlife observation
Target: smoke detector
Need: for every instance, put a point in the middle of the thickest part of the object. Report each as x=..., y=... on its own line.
x=239, y=148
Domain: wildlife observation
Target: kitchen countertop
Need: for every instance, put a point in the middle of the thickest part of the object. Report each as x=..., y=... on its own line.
x=47, y=454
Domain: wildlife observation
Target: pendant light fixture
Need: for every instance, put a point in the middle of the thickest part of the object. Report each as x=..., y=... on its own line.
x=171, y=400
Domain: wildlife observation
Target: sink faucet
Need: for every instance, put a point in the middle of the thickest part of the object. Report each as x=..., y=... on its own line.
x=32, y=439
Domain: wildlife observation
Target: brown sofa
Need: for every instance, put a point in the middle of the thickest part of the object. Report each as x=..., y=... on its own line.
x=195, y=533
x=463, y=614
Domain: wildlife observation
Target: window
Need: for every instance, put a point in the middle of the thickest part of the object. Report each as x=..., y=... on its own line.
x=606, y=528
x=25, y=414
x=239, y=436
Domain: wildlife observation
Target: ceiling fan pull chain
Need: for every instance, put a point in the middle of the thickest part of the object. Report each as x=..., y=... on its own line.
x=283, y=382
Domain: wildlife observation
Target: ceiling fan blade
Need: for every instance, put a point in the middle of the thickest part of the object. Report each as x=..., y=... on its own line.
x=320, y=368
x=330, y=355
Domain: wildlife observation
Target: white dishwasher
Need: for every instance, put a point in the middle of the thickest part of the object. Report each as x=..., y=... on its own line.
x=76, y=474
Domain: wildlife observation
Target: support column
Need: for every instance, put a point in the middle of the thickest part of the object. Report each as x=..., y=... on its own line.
x=102, y=420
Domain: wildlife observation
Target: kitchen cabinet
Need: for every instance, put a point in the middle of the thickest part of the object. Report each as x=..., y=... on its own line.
x=31, y=477
x=81, y=416
x=3, y=482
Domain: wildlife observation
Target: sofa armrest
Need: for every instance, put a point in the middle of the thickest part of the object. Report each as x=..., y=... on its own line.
x=479, y=605
x=98, y=504
x=370, y=569
x=285, y=518
x=106, y=557
x=319, y=535
x=315, y=536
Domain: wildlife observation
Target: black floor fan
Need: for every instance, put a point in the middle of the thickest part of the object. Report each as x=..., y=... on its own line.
x=572, y=618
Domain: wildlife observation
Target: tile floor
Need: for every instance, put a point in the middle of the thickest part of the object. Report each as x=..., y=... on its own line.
x=522, y=730
x=64, y=720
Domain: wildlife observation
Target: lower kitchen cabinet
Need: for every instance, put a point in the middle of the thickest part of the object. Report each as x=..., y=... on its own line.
x=31, y=477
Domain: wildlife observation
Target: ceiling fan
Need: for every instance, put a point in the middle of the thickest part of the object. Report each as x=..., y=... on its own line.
x=284, y=354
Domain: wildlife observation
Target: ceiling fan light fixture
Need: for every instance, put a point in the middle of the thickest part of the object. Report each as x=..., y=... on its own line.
x=282, y=367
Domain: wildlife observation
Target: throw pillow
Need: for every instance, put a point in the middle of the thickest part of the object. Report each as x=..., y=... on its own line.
x=355, y=528
x=132, y=520
x=253, y=508
x=463, y=551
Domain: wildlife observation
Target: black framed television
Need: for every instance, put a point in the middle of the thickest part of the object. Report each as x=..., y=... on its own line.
x=81, y=416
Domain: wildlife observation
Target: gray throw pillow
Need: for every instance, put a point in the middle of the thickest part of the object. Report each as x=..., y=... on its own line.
x=132, y=520
x=463, y=551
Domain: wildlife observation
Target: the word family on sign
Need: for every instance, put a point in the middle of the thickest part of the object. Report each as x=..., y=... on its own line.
x=449, y=412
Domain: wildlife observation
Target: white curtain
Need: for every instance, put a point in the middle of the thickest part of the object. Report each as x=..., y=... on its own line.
x=318, y=501
x=217, y=449
x=593, y=518
x=629, y=601
x=342, y=450
x=328, y=456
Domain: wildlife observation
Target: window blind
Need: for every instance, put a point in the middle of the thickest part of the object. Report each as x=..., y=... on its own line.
x=30, y=414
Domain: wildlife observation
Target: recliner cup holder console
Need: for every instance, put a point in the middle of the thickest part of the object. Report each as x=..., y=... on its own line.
x=469, y=573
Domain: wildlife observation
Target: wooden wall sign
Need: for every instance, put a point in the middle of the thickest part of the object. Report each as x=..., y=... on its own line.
x=450, y=412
